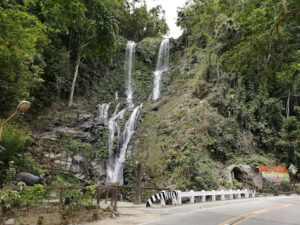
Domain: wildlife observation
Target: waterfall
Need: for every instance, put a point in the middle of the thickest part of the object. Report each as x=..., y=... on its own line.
x=161, y=67
x=127, y=134
x=112, y=126
x=128, y=67
x=117, y=154
x=103, y=110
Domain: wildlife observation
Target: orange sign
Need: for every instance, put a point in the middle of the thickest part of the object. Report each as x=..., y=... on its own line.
x=272, y=169
x=275, y=174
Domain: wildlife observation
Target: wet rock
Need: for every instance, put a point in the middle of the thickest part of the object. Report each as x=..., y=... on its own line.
x=87, y=126
x=9, y=221
x=78, y=158
x=29, y=179
x=85, y=137
x=85, y=116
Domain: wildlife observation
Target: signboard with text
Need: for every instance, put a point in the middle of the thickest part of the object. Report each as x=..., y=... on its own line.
x=275, y=174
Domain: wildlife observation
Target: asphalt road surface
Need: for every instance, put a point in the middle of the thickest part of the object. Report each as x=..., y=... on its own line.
x=262, y=211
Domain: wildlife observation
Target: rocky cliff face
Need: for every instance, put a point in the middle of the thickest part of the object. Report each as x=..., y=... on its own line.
x=76, y=140
x=182, y=139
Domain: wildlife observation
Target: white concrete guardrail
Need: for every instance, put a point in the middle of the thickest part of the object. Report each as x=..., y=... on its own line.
x=204, y=194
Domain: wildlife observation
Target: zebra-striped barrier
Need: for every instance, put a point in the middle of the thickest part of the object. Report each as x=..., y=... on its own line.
x=177, y=196
x=163, y=196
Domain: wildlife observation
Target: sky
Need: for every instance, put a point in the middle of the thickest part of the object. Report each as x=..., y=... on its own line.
x=170, y=7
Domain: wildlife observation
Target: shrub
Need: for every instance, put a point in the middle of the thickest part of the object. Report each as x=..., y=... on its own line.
x=10, y=199
x=35, y=195
x=90, y=192
x=14, y=142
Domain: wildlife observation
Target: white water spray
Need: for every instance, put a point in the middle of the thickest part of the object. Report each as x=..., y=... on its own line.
x=103, y=110
x=161, y=67
x=113, y=126
x=128, y=67
x=117, y=154
x=127, y=135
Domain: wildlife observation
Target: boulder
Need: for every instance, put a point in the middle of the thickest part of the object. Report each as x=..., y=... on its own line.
x=245, y=174
x=9, y=221
x=29, y=179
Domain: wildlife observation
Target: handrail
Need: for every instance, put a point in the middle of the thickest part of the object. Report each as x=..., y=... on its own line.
x=203, y=194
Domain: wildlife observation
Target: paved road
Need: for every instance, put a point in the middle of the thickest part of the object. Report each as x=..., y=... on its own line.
x=261, y=211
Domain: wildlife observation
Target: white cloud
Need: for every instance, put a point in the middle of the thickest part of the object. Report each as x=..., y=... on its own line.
x=170, y=7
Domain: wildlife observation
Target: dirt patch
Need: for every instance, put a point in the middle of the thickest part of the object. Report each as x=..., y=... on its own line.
x=55, y=215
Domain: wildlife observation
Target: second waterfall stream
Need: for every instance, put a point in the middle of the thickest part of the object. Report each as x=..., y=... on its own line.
x=117, y=152
x=162, y=66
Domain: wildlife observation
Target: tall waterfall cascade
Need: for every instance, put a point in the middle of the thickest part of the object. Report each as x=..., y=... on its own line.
x=161, y=67
x=112, y=158
x=119, y=140
x=117, y=153
x=128, y=67
x=115, y=170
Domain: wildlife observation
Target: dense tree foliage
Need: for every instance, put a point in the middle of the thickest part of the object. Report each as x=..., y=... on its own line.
x=253, y=65
x=51, y=50
x=47, y=46
x=22, y=37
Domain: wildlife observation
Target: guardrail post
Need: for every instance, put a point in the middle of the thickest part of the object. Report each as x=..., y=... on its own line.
x=179, y=201
x=213, y=196
x=222, y=195
x=203, y=197
x=247, y=193
x=162, y=201
x=192, y=197
x=239, y=193
x=230, y=195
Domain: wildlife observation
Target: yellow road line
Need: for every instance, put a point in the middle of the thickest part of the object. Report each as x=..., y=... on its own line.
x=249, y=215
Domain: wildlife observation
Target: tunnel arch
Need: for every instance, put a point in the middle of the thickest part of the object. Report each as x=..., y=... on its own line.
x=237, y=174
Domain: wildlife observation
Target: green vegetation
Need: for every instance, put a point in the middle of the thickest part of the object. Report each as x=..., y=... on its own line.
x=50, y=49
x=15, y=143
x=45, y=45
x=37, y=195
x=235, y=84
x=231, y=95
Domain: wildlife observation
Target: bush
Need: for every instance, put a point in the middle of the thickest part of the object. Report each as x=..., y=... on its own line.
x=34, y=195
x=10, y=199
x=90, y=192
x=14, y=142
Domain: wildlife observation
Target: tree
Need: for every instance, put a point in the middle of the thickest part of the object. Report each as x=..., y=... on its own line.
x=89, y=25
x=136, y=23
x=289, y=145
x=22, y=37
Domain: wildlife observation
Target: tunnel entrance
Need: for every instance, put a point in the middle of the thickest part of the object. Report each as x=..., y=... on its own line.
x=237, y=174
